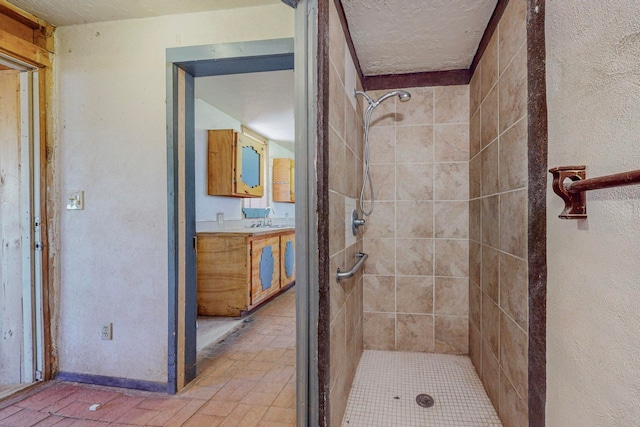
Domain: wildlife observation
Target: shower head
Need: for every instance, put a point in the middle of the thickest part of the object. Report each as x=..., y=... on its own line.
x=403, y=95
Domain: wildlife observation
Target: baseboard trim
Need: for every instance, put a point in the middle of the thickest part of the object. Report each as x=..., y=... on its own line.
x=112, y=381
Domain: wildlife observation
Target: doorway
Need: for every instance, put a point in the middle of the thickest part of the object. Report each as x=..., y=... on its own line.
x=21, y=302
x=183, y=66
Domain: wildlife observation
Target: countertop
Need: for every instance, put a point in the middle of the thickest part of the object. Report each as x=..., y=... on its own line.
x=247, y=231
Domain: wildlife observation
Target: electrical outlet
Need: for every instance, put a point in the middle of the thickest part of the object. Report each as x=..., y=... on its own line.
x=75, y=200
x=107, y=331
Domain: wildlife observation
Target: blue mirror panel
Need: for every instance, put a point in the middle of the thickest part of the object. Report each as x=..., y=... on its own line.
x=266, y=267
x=250, y=166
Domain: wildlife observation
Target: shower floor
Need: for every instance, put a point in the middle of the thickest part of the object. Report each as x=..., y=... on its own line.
x=386, y=384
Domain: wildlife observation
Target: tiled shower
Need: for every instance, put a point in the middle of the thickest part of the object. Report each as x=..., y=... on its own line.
x=447, y=242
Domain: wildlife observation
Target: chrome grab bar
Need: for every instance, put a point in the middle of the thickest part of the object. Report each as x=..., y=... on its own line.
x=347, y=274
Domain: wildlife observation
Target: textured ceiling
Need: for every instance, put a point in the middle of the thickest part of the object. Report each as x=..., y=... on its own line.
x=405, y=36
x=71, y=12
x=261, y=101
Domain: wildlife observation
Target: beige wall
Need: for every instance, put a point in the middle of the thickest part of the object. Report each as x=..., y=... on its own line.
x=110, y=141
x=593, y=337
x=416, y=279
x=498, y=301
x=345, y=172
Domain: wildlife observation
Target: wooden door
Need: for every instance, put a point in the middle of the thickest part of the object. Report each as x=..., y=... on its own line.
x=11, y=267
x=265, y=268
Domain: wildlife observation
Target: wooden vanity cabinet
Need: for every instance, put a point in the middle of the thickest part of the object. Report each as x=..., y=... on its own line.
x=238, y=271
x=283, y=180
x=235, y=164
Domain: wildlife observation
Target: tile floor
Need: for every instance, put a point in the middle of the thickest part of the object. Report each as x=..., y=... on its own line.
x=246, y=380
x=384, y=392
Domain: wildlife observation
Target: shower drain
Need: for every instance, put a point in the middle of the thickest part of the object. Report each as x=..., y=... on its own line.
x=425, y=400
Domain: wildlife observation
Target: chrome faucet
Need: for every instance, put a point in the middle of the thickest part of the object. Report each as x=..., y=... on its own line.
x=266, y=214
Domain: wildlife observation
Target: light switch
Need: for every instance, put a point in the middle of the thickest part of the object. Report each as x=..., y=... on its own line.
x=75, y=200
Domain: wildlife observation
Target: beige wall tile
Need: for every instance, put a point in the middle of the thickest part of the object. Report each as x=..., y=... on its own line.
x=382, y=223
x=489, y=118
x=514, y=354
x=451, y=142
x=513, y=31
x=489, y=208
x=382, y=256
x=451, y=104
x=414, y=144
x=512, y=410
x=451, y=220
x=415, y=181
x=414, y=257
x=336, y=102
x=337, y=42
x=490, y=176
x=336, y=222
x=490, y=324
x=474, y=91
x=513, y=91
x=451, y=296
x=475, y=262
x=501, y=224
x=415, y=332
x=338, y=347
x=451, y=334
x=452, y=258
x=382, y=143
x=404, y=145
x=379, y=293
x=353, y=125
x=354, y=315
x=352, y=179
x=514, y=288
x=475, y=304
x=337, y=163
x=338, y=395
x=379, y=331
x=358, y=347
x=474, y=220
x=475, y=353
x=491, y=376
x=417, y=111
x=475, y=142
x=414, y=294
x=414, y=219
x=384, y=182
x=513, y=157
x=489, y=66
x=490, y=273
x=475, y=177
x=513, y=222
x=451, y=181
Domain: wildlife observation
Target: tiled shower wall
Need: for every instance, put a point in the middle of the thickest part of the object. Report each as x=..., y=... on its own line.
x=498, y=179
x=416, y=279
x=345, y=171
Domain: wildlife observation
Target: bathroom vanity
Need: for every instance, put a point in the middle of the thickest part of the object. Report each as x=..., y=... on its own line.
x=239, y=269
